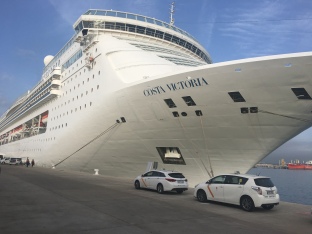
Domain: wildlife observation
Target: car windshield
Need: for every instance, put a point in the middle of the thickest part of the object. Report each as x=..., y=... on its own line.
x=264, y=182
x=176, y=175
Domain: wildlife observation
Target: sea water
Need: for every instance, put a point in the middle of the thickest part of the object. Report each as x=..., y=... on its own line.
x=293, y=186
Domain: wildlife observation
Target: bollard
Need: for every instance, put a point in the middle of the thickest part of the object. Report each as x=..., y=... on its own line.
x=96, y=171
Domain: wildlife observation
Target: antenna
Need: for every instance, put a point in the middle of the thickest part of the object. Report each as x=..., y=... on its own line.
x=171, y=13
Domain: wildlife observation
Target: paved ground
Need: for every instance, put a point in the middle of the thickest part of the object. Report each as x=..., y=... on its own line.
x=37, y=200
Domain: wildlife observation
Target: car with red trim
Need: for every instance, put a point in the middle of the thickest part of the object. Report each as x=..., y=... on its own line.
x=248, y=191
x=162, y=181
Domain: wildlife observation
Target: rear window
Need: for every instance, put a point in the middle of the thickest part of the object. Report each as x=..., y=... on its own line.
x=176, y=175
x=264, y=182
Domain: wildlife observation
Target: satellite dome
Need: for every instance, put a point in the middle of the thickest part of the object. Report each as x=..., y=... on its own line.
x=48, y=59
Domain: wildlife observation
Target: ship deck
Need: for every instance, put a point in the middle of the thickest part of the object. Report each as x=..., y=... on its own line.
x=37, y=200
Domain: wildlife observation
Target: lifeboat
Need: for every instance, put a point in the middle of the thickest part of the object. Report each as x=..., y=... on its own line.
x=44, y=118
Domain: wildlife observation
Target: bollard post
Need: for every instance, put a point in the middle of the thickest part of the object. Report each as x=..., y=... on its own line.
x=96, y=171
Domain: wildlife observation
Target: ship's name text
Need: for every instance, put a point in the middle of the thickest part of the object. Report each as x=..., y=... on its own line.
x=184, y=84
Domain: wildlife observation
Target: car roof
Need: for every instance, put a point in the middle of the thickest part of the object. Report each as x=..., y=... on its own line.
x=247, y=175
x=166, y=171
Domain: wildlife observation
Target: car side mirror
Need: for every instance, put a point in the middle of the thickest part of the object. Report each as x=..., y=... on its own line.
x=208, y=182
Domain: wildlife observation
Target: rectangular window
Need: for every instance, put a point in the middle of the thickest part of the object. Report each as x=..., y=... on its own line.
x=301, y=93
x=140, y=18
x=236, y=96
x=170, y=103
x=131, y=16
x=189, y=101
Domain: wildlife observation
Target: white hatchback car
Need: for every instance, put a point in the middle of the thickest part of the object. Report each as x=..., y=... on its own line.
x=248, y=191
x=5, y=160
x=162, y=181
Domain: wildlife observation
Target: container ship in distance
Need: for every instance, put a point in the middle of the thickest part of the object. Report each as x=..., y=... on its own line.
x=300, y=166
x=128, y=89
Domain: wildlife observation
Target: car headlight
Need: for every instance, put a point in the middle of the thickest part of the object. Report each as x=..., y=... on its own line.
x=196, y=185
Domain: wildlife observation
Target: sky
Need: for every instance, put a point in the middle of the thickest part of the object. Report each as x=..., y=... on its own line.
x=228, y=29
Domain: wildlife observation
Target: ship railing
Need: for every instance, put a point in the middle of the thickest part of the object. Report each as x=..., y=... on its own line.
x=42, y=100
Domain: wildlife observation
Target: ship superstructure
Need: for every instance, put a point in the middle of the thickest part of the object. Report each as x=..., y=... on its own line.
x=129, y=89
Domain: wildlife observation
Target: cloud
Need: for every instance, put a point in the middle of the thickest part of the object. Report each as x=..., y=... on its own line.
x=266, y=28
x=69, y=10
x=25, y=53
x=5, y=77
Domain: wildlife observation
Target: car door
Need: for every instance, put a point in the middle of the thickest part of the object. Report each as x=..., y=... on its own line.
x=215, y=188
x=233, y=189
x=155, y=179
x=145, y=179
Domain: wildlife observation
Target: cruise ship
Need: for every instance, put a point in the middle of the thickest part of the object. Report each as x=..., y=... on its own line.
x=128, y=89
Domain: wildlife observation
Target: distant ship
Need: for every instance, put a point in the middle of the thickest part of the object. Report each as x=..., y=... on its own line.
x=300, y=166
x=128, y=89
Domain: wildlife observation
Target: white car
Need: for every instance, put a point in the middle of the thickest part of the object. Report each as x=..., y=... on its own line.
x=248, y=191
x=15, y=161
x=5, y=160
x=162, y=181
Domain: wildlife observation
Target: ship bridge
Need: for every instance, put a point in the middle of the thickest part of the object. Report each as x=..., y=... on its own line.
x=138, y=24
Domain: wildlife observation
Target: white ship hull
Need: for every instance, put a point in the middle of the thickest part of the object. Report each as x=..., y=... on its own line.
x=112, y=115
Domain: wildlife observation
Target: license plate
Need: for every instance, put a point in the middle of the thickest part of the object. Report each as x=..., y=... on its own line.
x=270, y=192
x=180, y=181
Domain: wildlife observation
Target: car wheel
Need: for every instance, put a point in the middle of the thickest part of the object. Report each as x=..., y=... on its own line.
x=137, y=184
x=179, y=191
x=247, y=203
x=201, y=196
x=267, y=207
x=160, y=188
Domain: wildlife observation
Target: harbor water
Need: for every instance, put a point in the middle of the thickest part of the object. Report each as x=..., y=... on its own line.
x=293, y=185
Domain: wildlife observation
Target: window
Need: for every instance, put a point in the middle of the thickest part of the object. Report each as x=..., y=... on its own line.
x=264, y=182
x=189, y=101
x=301, y=93
x=218, y=180
x=176, y=175
x=236, y=96
x=170, y=103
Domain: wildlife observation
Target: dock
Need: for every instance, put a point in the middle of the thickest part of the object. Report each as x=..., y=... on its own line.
x=41, y=200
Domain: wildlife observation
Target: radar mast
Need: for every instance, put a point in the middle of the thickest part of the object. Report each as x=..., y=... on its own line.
x=171, y=13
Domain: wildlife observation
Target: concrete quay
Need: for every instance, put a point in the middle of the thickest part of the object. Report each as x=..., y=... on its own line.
x=41, y=200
